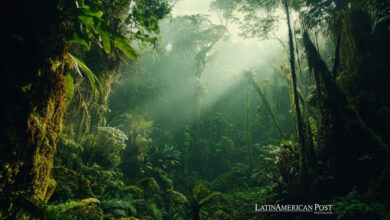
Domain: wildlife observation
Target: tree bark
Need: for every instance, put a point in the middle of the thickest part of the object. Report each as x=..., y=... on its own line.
x=301, y=134
x=248, y=130
x=33, y=100
x=266, y=103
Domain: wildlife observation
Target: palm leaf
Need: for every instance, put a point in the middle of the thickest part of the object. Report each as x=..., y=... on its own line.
x=178, y=196
x=105, y=39
x=106, y=33
x=93, y=79
x=208, y=198
x=121, y=43
x=84, y=10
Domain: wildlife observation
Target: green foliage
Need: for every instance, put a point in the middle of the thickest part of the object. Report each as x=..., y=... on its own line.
x=105, y=40
x=148, y=184
x=104, y=148
x=221, y=215
x=94, y=26
x=53, y=212
x=226, y=145
x=147, y=13
x=223, y=154
x=258, y=21
x=279, y=167
x=211, y=148
x=177, y=196
x=314, y=130
x=84, y=209
x=155, y=211
x=93, y=79
x=118, y=208
x=135, y=156
x=68, y=153
x=134, y=192
x=136, y=127
x=200, y=195
x=160, y=162
x=234, y=205
x=120, y=42
x=70, y=185
x=354, y=205
x=106, y=183
x=199, y=192
x=237, y=177
x=166, y=157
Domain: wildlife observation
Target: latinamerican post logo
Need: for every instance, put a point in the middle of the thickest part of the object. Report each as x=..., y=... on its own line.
x=300, y=208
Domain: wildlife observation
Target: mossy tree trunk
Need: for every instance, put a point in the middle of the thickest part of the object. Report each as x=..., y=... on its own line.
x=300, y=124
x=267, y=105
x=248, y=130
x=33, y=103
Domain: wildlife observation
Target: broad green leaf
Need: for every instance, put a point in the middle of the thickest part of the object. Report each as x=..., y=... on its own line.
x=120, y=42
x=75, y=38
x=105, y=38
x=88, y=22
x=90, y=75
x=88, y=11
x=285, y=142
x=148, y=124
x=84, y=11
x=208, y=198
x=106, y=42
x=69, y=86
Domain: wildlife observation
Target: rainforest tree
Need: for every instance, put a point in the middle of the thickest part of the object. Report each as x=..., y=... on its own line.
x=44, y=35
x=120, y=109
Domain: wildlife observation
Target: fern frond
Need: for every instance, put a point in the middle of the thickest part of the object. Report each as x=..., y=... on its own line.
x=208, y=198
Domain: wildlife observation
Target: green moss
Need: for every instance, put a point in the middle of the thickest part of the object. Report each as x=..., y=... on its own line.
x=84, y=209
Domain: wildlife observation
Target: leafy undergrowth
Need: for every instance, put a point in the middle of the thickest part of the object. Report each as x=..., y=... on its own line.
x=359, y=206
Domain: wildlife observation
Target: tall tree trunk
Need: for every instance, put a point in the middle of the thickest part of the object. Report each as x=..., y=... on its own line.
x=336, y=99
x=337, y=53
x=299, y=61
x=252, y=80
x=195, y=212
x=301, y=134
x=33, y=104
x=248, y=130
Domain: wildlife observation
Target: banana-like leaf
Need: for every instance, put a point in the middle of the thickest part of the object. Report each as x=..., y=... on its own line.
x=93, y=79
x=121, y=43
x=178, y=196
x=85, y=10
x=75, y=38
x=94, y=25
x=106, y=33
x=88, y=22
x=93, y=12
x=208, y=198
x=105, y=36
